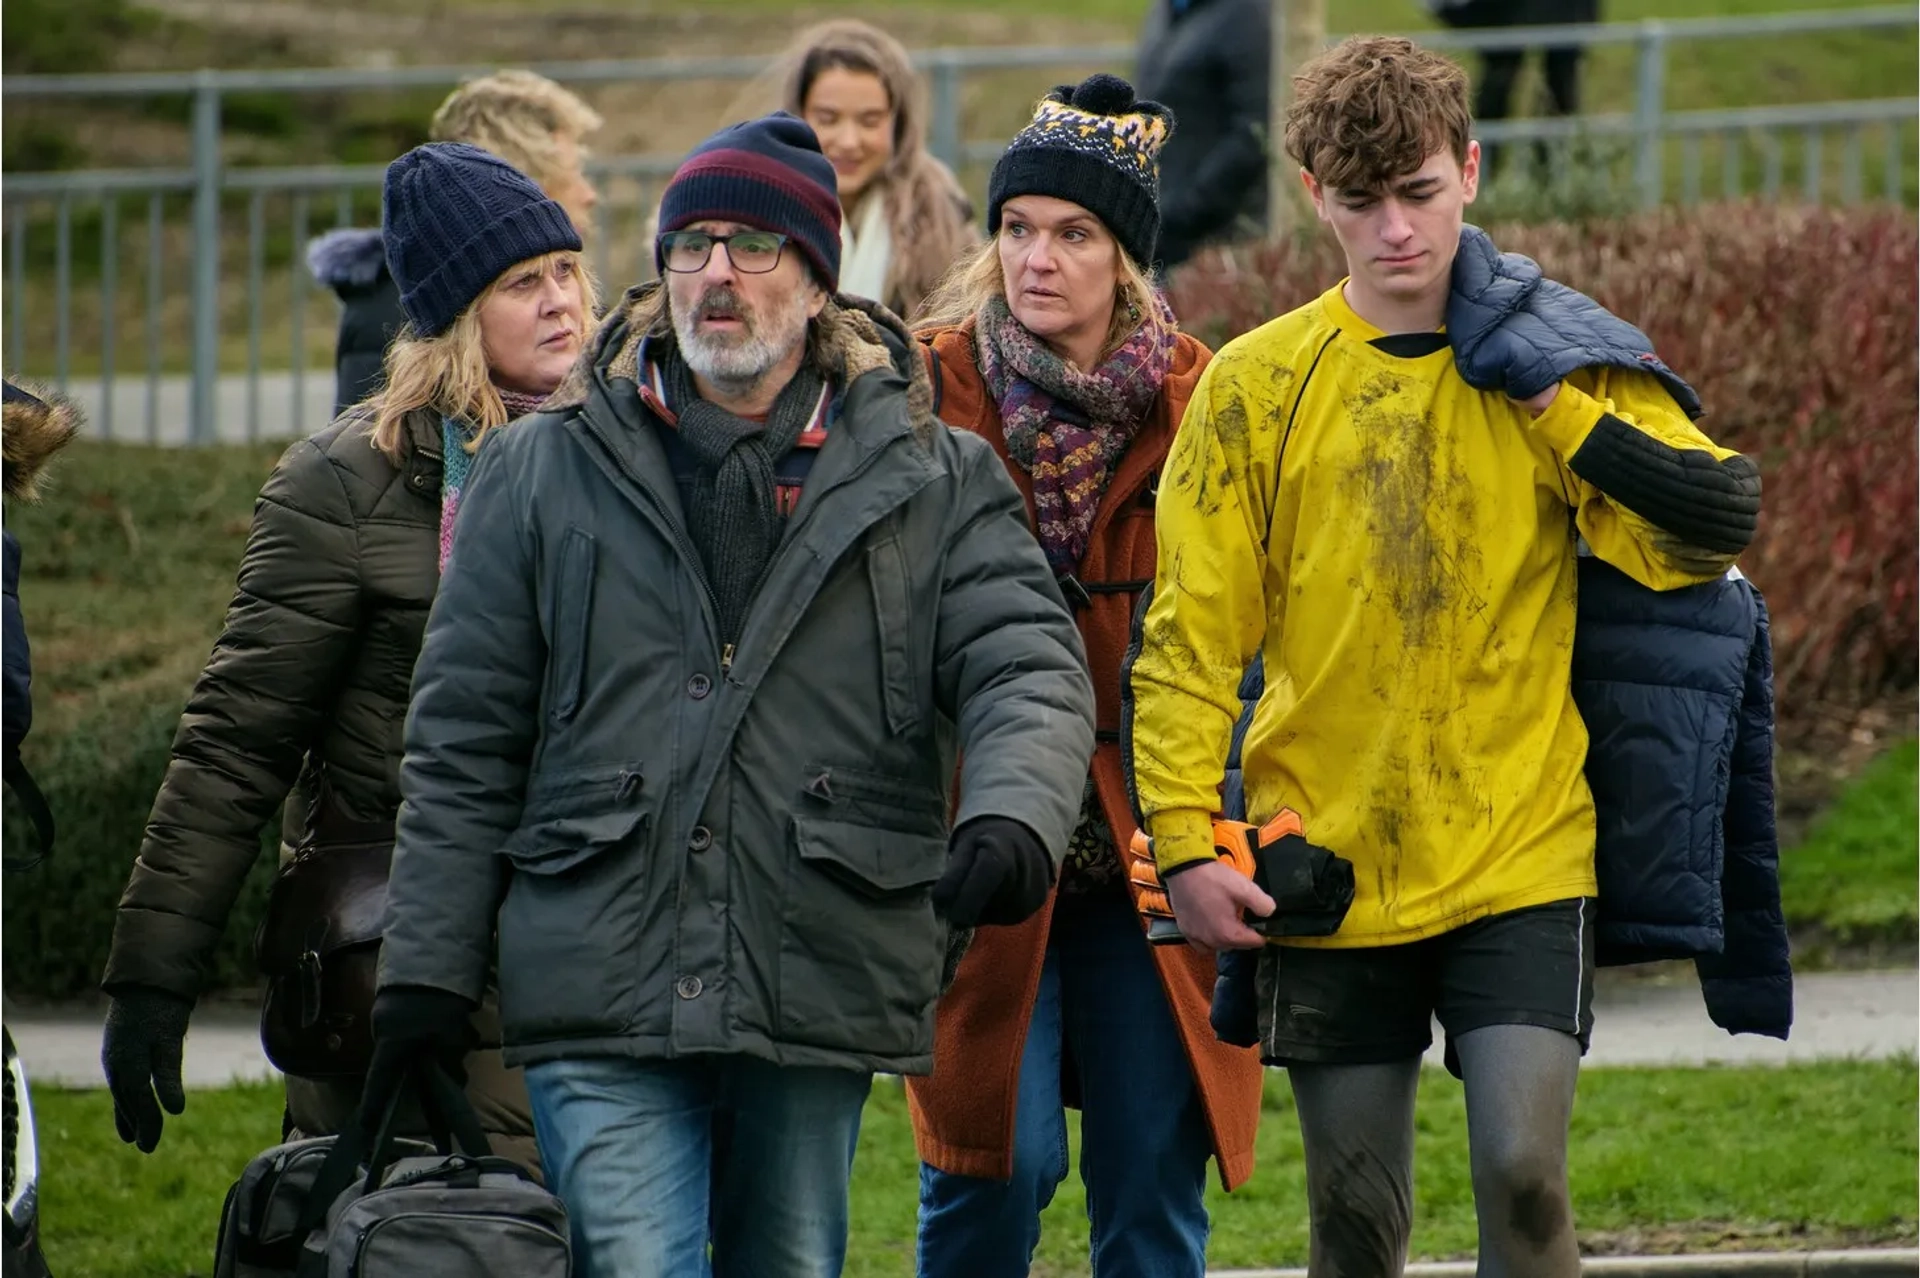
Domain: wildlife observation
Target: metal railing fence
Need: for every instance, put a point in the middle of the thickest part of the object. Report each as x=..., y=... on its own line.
x=206, y=402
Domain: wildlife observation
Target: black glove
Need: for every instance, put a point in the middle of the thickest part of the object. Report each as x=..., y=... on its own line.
x=140, y=1052
x=998, y=873
x=1235, y=1013
x=415, y=1025
x=1312, y=888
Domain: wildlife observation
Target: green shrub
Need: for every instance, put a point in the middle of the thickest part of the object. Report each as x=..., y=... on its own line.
x=51, y=37
x=100, y=777
x=1582, y=181
x=128, y=564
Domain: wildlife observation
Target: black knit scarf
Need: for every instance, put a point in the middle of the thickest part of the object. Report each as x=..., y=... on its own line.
x=734, y=518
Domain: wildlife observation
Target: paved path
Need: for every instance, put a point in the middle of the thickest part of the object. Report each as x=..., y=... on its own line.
x=171, y=398
x=1896, y=1262
x=1636, y=1022
x=1836, y=1014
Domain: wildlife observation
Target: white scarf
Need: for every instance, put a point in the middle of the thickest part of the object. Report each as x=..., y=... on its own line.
x=866, y=253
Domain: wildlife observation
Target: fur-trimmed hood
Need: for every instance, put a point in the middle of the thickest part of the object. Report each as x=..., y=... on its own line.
x=349, y=257
x=38, y=423
x=850, y=338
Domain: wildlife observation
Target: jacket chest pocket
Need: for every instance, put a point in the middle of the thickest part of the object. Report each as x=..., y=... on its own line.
x=569, y=617
x=574, y=906
x=893, y=614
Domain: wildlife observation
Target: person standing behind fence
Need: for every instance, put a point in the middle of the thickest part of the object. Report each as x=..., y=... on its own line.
x=303, y=699
x=1207, y=60
x=525, y=119
x=904, y=217
x=1500, y=68
x=1053, y=346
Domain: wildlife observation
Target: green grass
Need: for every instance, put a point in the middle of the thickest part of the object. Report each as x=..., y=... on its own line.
x=1799, y=1156
x=129, y=565
x=1858, y=871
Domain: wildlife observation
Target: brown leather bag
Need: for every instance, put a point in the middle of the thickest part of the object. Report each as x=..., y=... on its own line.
x=319, y=945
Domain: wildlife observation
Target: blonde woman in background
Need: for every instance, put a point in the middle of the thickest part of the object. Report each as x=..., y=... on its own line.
x=301, y=704
x=533, y=124
x=905, y=217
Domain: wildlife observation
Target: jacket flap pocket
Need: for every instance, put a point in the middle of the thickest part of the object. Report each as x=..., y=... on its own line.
x=871, y=861
x=860, y=797
x=571, y=817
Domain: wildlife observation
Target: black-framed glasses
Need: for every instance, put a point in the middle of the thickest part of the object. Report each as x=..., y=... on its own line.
x=751, y=252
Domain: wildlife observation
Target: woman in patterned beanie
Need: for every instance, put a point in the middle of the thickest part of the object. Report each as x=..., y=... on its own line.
x=1052, y=343
x=300, y=706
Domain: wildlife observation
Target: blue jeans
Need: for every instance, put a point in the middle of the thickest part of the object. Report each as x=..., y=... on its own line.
x=655, y=1158
x=1143, y=1136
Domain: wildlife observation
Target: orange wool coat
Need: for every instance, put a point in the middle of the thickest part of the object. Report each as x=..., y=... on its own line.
x=963, y=1112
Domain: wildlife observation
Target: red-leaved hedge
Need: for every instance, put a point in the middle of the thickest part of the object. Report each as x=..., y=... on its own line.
x=1798, y=327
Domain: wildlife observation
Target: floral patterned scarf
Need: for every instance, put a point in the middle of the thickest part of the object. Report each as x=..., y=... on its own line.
x=1065, y=427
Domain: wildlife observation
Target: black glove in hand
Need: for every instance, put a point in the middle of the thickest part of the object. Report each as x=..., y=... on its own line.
x=998, y=873
x=140, y=1053
x=413, y=1025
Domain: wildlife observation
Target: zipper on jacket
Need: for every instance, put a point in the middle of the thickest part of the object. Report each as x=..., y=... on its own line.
x=792, y=539
x=692, y=554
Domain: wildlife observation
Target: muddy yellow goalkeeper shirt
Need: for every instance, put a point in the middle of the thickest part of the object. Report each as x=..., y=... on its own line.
x=1400, y=547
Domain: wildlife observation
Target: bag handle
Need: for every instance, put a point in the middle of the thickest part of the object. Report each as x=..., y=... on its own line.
x=450, y=1119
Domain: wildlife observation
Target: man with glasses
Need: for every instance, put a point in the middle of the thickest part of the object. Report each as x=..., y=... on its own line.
x=716, y=627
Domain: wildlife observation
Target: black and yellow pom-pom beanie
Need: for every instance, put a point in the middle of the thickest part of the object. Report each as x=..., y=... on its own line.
x=1094, y=144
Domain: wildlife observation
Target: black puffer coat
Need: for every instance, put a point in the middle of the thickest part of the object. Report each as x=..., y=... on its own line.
x=353, y=263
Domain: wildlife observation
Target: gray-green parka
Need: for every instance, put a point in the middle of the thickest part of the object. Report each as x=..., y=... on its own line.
x=695, y=850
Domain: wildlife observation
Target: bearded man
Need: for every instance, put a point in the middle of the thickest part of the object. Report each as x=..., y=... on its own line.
x=717, y=625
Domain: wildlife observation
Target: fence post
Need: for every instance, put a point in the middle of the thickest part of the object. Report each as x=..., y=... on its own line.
x=1649, y=108
x=206, y=258
x=946, y=108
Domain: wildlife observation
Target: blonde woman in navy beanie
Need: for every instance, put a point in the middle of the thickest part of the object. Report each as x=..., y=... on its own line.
x=1054, y=346
x=300, y=706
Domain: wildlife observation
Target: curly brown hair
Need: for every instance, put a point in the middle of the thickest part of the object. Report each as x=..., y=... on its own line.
x=1372, y=109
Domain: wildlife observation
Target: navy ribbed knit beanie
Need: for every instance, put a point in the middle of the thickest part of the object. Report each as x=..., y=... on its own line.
x=453, y=218
x=768, y=174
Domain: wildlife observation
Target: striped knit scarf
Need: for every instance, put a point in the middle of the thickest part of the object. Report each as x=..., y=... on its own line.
x=456, y=459
x=1067, y=428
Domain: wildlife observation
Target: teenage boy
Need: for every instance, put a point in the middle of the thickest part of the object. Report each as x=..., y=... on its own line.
x=1400, y=547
